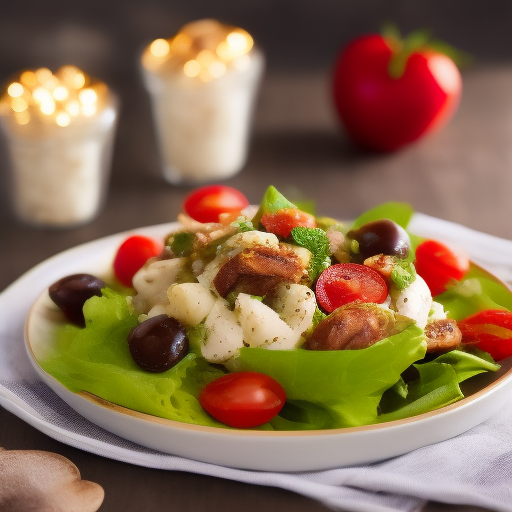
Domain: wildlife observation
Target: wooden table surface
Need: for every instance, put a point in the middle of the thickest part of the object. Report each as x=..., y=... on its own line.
x=462, y=174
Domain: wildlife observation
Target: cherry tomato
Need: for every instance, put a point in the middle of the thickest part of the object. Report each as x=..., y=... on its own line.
x=205, y=204
x=490, y=330
x=383, y=112
x=283, y=221
x=344, y=283
x=131, y=256
x=244, y=399
x=440, y=265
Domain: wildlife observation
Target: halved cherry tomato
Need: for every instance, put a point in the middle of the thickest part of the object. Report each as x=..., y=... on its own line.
x=131, y=256
x=344, y=283
x=490, y=330
x=205, y=204
x=440, y=265
x=244, y=399
x=281, y=222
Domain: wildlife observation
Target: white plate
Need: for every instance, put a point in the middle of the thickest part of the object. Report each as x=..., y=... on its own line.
x=257, y=450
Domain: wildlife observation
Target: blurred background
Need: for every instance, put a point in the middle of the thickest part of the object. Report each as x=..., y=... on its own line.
x=104, y=36
x=460, y=174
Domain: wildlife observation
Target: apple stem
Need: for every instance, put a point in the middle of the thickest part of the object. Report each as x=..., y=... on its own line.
x=419, y=40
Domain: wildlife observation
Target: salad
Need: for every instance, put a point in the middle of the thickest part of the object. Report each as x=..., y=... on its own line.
x=273, y=318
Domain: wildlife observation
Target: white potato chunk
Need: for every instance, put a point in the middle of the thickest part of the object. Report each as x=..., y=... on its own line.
x=189, y=303
x=262, y=326
x=224, y=335
x=157, y=310
x=295, y=304
x=152, y=281
x=414, y=301
x=250, y=211
x=303, y=254
x=250, y=239
x=210, y=271
x=437, y=312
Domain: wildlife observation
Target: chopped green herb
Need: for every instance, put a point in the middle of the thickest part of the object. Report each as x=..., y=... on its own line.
x=232, y=296
x=316, y=241
x=231, y=299
x=243, y=224
x=181, y=244
x=208, y=252
x=197, y=337
x=403, y=274
x=318, y=316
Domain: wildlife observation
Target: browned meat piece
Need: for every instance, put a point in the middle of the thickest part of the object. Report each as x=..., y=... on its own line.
x=351, y=327
x=257, y=270
x=383, y=264
x=442, y=335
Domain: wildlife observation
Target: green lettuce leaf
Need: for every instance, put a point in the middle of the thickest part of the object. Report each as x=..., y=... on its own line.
x=436, y=386
x=347, y=384
x=468, y=364
x=478, y=291
x=301, y=415
x=316, y=241
x=96, y=359
x=400, y=213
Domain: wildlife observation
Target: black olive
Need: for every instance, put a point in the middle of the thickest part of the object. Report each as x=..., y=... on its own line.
x=381, y=237
x=158, y=343
x=71, y=292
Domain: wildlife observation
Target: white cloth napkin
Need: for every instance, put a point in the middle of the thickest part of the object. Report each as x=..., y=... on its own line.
x=474, y=468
